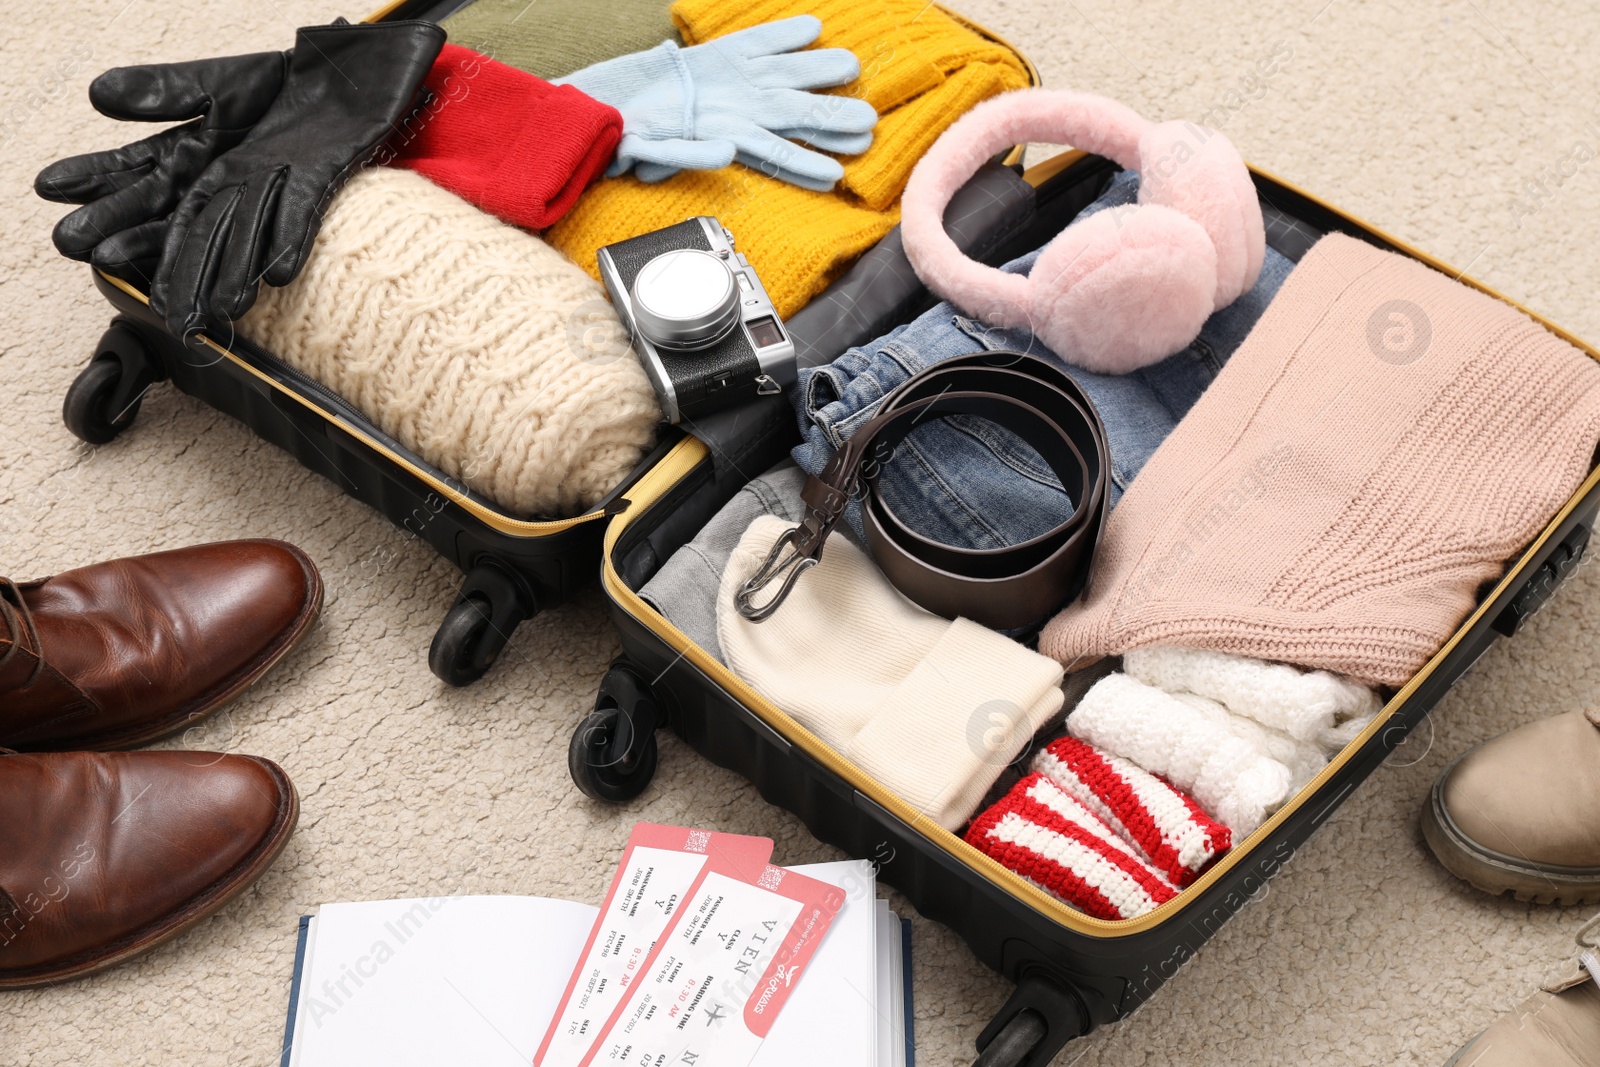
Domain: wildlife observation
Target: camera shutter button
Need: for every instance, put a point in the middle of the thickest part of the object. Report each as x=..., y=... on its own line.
x=685, y=299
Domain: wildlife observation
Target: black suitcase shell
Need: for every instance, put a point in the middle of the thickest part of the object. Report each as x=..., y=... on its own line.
x=1072, y=972
x=514, y=567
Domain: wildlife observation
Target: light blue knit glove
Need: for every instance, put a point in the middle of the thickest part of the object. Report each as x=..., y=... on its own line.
x=740, y=96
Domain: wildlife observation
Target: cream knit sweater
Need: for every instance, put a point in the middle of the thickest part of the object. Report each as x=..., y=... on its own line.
x=1383, y=442
x=474, y=344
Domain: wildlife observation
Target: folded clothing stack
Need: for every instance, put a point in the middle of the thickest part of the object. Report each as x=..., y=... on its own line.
x=1106, y=821
x=472, y=343
x=1167, y=827
x=1058, y=844
x=1310, y=707
x=920, y=68
x=1241, y=759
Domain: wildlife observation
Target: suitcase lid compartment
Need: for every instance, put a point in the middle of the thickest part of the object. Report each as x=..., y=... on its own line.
x=691, y=456
x=479, y=508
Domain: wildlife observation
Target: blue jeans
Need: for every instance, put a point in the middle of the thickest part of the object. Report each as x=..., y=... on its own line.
x=965, y=481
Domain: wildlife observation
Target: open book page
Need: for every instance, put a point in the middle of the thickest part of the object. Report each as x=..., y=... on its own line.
x=423, y=982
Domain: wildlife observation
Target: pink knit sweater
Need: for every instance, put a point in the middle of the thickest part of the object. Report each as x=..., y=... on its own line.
x=1383, y=442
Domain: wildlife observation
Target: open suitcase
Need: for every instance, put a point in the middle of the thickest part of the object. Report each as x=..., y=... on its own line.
x=513, y=566
x=1072, y=972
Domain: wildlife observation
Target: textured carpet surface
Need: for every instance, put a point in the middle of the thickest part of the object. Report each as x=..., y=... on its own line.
x=1468, y=128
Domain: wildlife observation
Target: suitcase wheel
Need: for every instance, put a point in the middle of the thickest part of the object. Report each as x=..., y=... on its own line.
x=613, y=752
x=478, y=626
x=1015, y=1042
x=105, y=397
x=1041, y=1016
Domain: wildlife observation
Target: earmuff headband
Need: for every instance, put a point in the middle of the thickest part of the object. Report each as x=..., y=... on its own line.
x=1093, y=123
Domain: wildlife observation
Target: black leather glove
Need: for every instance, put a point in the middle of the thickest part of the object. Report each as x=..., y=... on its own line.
x=252, y=215
x=128, y=192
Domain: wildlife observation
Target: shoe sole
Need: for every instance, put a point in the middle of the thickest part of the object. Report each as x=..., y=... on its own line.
x=1462, y=1051
x=1497, y=874
x=210, y=703
x=241, y=878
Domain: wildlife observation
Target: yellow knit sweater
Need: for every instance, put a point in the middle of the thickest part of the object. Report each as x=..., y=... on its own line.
x=920, y=68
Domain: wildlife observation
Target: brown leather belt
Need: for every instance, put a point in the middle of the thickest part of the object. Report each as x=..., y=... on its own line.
x=1004, y=588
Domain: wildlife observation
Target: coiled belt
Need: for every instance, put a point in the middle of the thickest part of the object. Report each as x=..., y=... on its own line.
x=1004, y=588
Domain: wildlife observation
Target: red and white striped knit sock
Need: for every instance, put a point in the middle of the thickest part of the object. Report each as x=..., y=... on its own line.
x=1162, y=822
x=1055, y=842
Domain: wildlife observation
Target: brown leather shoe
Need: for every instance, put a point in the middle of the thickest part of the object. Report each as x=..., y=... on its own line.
x=1521, y=814
x=105, y=856
x=120, y=653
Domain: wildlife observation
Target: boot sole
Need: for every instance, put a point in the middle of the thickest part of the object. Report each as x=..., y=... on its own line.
x=209, y=704
x=1462, y=1051
x=241, y=878
x=1497, y=874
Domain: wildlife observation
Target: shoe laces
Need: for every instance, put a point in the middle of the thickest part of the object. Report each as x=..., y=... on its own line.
x=18, y=618
x=1589, y=945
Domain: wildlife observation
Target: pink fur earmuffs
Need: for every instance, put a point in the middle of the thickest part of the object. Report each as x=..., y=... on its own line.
x=1126, y=287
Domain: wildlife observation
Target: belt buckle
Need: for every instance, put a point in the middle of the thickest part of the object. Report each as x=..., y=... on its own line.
x=791, y=567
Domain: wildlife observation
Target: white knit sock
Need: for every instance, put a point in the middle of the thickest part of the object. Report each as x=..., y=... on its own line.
x=931, y=708
x=1234, y=783
x=1315, y=706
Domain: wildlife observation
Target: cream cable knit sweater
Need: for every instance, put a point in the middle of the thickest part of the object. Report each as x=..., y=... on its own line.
x=932, y=709
x=472, y=343
x=1380, y=445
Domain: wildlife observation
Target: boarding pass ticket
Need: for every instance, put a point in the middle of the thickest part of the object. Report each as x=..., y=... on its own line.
x=662, y=866
x=718, y=977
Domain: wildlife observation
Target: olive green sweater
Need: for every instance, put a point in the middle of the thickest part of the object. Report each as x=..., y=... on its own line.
x=552, y=38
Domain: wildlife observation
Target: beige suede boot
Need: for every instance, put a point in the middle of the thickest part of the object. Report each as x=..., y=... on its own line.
x=1557, y=1027
x=1521, y=814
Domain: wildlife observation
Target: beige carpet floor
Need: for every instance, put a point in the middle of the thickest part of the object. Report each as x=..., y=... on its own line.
x=1468, y=127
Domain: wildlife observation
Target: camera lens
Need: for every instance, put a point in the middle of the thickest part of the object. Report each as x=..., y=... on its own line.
x=685, y=299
